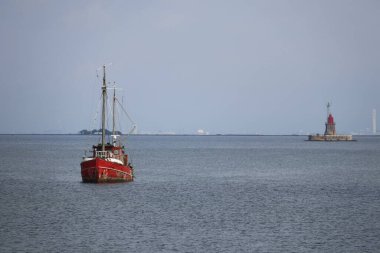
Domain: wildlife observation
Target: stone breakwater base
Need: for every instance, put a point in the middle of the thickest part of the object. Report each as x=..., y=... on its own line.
x=330, y=138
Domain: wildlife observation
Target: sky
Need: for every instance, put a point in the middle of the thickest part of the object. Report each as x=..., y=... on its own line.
x=227, y=67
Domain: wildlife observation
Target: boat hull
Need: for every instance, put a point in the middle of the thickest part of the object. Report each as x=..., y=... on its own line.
x=98, y=170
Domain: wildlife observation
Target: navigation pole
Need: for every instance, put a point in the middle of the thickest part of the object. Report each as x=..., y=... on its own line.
x=113, y=110
x=104, y=95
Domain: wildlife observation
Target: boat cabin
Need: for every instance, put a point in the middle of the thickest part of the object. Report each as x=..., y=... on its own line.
x=111, y=151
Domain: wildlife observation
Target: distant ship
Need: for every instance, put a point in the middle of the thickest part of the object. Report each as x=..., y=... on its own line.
x=330, y=132
x=108, y=161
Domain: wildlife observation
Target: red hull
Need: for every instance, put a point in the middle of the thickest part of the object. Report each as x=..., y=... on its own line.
x=98, y=170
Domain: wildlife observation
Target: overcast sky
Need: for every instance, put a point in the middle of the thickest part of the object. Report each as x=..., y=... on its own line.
x=245, y=67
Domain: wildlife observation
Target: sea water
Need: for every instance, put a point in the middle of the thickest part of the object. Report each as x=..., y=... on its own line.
x=192, y=194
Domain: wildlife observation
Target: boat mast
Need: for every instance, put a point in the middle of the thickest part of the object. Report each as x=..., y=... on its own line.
x=113, y=111
x=104, y=95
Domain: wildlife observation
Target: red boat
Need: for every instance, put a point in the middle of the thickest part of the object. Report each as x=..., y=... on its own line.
x=110, y=165
x=108, y=162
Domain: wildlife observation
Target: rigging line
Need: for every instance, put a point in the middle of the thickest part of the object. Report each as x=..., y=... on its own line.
x=126, y=113
x=118, y=119
x=122, y=102
x=118, y=126
x=109, y=114
x=97, y=75
x=131, y=131
x=92, y=125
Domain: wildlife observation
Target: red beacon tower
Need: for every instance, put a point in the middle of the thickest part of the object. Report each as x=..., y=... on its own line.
x=330, y=124
x=330, y=133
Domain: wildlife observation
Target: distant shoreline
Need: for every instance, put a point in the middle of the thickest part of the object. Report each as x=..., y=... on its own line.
x=205, y=135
